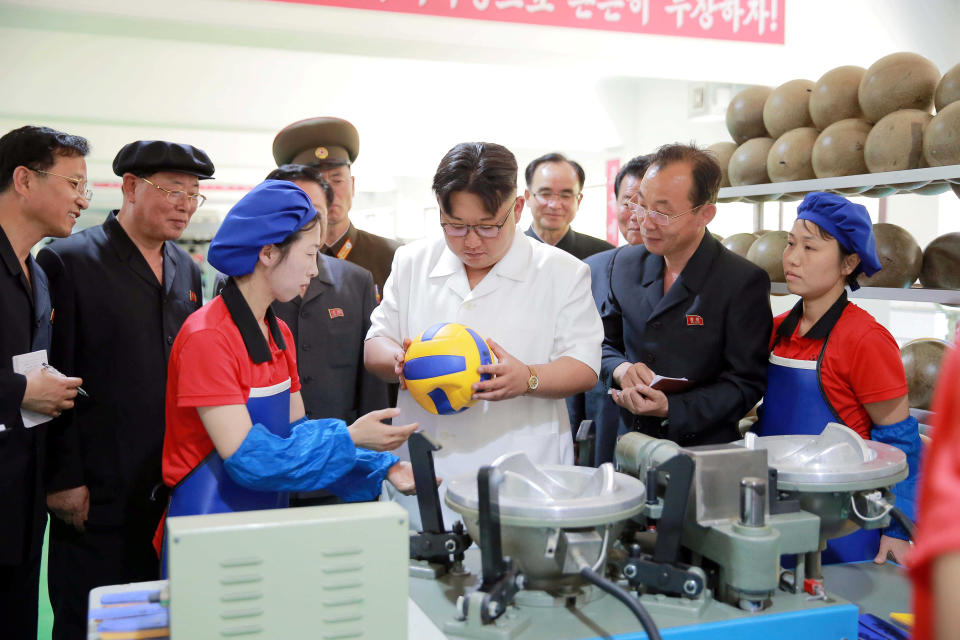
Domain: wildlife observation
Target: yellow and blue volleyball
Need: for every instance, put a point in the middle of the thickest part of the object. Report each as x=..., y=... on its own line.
x=440, y=367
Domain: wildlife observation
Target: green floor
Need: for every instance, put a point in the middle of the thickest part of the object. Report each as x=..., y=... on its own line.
x=45, y=621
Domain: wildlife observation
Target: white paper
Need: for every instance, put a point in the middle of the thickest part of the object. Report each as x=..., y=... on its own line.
x=22, y=364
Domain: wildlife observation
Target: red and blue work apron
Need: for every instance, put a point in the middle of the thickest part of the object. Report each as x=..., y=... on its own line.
x=795, y=403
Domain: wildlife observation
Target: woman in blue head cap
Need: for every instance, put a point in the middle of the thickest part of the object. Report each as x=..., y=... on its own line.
x=236, y=434
x=830, y=361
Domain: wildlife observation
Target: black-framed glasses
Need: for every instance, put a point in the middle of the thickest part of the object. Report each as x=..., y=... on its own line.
x=457, y=230
x=80, y=184
x=178, y=196
x=662, y=219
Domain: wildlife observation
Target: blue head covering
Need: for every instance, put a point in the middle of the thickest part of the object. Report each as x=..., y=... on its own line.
x=267, y=215
x=849, y=223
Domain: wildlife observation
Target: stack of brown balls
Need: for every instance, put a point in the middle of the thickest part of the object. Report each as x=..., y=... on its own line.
x=901, y=258
x=849, y=122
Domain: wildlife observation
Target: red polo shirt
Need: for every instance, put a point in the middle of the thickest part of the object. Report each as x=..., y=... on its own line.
x=861, y=364
x=938, y=517
x=210, y=367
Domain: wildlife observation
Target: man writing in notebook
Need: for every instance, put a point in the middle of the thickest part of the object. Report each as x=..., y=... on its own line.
x=43, y=190
x=681, y=305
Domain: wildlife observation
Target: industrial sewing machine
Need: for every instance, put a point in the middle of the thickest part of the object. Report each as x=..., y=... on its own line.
x=690, y=541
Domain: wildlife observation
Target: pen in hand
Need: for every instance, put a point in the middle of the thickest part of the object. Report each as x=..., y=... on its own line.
x=53, y=370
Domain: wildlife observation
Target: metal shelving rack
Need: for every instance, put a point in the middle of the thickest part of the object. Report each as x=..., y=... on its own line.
x=928, y=181
x=875, y=185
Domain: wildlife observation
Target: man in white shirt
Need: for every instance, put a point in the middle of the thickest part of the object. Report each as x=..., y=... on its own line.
x=531, y=301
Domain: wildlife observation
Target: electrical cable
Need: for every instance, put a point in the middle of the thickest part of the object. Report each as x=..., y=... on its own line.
x=904, y=521
x=626, y=598
x=875, y=500
x=603, y=550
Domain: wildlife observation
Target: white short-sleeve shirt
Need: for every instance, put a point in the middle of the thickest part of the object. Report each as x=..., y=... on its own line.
x=536, y=303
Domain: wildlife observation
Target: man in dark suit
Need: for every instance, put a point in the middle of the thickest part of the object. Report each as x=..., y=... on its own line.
x=43, y=189
x=554, y=191
x=121, y=291
x=329, y=322
x=596, y=404
x=683, y=306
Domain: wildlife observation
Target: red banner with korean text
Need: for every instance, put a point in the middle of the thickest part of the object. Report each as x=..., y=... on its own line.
x=613, y=225
x=742, y=20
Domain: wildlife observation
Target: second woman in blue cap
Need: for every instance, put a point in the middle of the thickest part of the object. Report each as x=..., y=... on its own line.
x=830, y=361
x=237, y=438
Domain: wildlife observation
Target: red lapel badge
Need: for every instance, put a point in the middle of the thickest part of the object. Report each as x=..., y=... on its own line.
x=193, y=296
x=694, y=320
x=335, y=312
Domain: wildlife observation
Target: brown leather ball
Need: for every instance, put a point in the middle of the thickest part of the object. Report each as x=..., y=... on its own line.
x=748, y=164
x=898, y=81
x=740, y=243
x=896, y=142
x=948, y=89
x=767, y=253
x=791, y=156
x=788, y=107
x=839, y=149
x=745, y=114
x=941, y=263
x=941, y=140
x=722, y=152
x=834, y=96
x=922, y=359
x=900, y=258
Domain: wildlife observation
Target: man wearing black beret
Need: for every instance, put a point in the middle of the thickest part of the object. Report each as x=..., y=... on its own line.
x=121, y=292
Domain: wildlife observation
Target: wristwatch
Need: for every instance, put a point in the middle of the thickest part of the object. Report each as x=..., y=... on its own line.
x=533, y=382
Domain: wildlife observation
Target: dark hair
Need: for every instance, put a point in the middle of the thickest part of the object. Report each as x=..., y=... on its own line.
x=34, y=147
x=636, y=167
x=554, y=157
x=485, y=169
x=704, y=169
x=844, y=252
x=285, y=244
x=304, y=173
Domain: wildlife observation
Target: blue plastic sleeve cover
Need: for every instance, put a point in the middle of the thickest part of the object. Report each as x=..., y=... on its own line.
x=362, y=483
x=904, y=435
x=316, y=454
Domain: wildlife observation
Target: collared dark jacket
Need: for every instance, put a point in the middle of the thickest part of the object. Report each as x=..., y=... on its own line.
x=24, y=327
x=579, y=245
x=712, y=327
x=329, y=325
x=114, y=326
x=370, y=251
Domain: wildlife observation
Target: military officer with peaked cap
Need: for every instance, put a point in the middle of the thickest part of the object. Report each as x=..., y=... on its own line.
x=332, y=144
x=121, y=292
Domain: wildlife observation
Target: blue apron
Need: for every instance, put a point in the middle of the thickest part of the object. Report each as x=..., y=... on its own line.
x=795, y=403
x=208, y=488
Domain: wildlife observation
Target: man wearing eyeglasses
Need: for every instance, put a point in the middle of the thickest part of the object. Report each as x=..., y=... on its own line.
x=43, y=178
x=683, y=306
x=554, y=191
x=121, y=290
x=530, y=301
